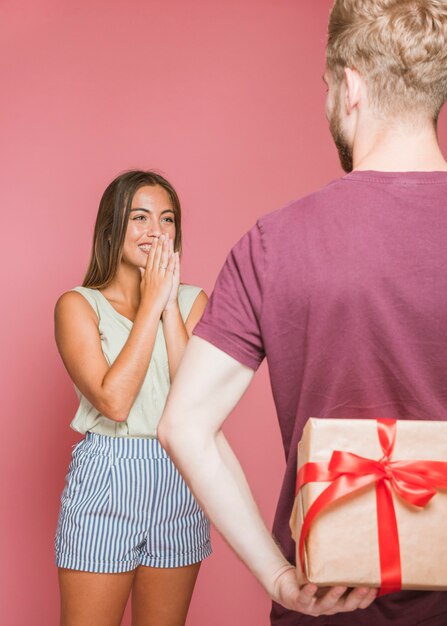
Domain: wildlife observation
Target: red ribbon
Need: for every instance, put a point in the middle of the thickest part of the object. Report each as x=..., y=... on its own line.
x=414, y=481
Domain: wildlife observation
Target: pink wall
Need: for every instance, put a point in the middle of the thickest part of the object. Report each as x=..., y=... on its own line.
x=226, y=99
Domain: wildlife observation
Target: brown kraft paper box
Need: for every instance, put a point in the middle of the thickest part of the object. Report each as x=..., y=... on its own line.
x=342, y=545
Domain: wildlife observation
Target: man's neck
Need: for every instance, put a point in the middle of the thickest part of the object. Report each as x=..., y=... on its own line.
x=401, y=146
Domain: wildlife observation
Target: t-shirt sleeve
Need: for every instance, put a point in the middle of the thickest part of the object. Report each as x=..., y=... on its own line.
x=232, y=318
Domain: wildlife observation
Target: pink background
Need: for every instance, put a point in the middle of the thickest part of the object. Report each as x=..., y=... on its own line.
x=226, y=99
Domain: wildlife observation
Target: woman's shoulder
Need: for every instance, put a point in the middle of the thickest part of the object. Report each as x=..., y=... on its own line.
x=189, y=290
x=187, y=295
x=77, y=299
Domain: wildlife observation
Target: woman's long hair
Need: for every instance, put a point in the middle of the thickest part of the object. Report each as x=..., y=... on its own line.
x=112, y=219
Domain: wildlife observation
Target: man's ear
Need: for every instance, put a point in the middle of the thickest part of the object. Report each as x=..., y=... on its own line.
x=353, y=89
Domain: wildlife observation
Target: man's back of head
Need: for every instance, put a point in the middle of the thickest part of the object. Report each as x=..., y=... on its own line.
x=399, y=47
x=387, y=78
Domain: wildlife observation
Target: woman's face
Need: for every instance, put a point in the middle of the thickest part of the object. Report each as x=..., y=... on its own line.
x=151, y=215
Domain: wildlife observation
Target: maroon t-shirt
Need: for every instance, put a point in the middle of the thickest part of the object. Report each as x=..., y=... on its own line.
x=345, y=293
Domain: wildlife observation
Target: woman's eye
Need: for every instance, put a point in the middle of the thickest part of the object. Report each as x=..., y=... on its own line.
x=168, y=219
x=139, y=218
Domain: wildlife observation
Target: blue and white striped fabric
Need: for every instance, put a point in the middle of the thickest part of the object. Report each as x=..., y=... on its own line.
x=125, y=505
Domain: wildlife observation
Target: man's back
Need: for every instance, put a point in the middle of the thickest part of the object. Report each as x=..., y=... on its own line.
x=345, y=291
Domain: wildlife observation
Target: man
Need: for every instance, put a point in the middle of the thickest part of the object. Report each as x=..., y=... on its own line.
x=344, y=292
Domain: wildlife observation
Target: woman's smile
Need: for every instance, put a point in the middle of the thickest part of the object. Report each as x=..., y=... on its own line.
x=145, y=247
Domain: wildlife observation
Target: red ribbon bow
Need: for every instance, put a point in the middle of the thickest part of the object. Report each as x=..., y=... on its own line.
x=414, y=481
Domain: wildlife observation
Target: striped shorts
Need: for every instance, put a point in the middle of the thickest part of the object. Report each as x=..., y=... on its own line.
x=125, y=505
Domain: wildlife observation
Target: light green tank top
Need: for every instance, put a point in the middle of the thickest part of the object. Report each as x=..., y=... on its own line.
x=114, y=331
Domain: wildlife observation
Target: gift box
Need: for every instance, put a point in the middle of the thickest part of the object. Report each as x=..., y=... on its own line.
x=371, y=503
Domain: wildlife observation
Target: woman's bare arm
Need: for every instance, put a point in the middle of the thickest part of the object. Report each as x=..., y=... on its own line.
x=113, y=389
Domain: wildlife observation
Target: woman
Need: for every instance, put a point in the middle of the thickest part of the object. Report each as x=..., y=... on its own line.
x=128, y=521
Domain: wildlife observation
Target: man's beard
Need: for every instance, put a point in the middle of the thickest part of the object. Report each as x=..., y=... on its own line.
x=343, y=147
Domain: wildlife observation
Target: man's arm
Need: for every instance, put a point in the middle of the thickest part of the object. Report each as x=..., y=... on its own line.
x=207, y=387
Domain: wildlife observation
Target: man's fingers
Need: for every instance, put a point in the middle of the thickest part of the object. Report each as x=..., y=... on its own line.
x=359, y=598
x=355, y=598
x=313, y=600
x=307, y=593
x=329, y=600
x=368, y=599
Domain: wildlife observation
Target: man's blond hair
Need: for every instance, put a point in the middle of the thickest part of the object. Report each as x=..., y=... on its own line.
x=400, y=48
